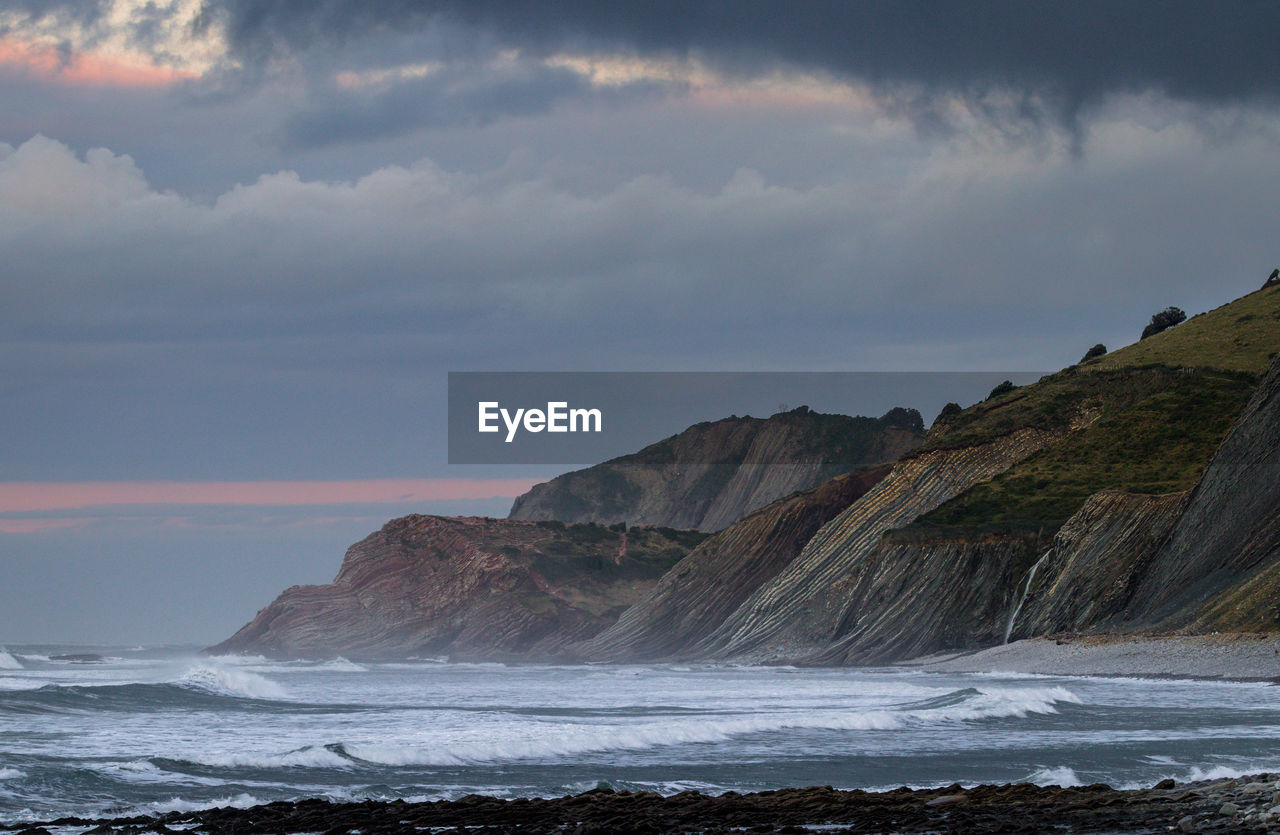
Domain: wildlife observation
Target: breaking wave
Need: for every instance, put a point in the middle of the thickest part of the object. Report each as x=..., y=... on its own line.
x=234, y=683
x=1059, y=776
x=177, y=804
x=536, y=741
x=199, y=686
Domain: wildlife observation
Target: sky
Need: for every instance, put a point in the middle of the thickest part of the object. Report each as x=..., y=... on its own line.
x=245, y=241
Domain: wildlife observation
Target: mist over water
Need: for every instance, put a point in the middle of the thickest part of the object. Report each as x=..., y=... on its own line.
x=159, y=730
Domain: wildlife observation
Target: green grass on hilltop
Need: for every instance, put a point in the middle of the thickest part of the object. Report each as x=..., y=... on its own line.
x=1242, y=335
x=1157, y=431
x=1239, y=337
x=1164, y=404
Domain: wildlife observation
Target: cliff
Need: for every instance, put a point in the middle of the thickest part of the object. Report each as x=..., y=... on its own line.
x=1134, y=493
x=1205, y=560
x=1103, y=498
x=693, y=598
x=712, y=474
x=1219, y=568
x=799, y=612
x=466, y=587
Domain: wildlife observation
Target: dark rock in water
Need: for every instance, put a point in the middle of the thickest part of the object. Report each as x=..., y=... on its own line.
x=78, y=657
x=1006, y=808
x=713, y=474
x=468, y=587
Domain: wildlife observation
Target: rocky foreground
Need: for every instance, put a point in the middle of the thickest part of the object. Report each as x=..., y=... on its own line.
x=1247, y=804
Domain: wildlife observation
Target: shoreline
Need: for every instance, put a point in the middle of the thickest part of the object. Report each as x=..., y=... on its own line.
x=1250, y=803
x=1246, y=657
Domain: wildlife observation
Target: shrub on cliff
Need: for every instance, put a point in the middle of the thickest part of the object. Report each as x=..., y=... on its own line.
x=948, y=411
x=903, y=419
x=1004, y=388
x=1096, y=351
x=1163, y=320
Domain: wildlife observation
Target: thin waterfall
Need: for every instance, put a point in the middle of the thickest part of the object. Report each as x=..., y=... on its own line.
x=1031, y=575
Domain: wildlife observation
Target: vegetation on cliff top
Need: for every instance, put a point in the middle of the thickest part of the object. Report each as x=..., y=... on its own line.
x=1242, y=335
x=1156, y=433
x=1160, y=407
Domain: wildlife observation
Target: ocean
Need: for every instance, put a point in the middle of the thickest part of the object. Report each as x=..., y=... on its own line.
x=151, y=730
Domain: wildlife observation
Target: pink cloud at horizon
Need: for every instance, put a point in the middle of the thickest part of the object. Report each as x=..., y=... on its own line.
x=40, y=525
x=86, y=68
x=28, y=497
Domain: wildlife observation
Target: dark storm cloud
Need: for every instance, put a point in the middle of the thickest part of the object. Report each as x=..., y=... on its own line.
x=1067, y=54
x=471, y=97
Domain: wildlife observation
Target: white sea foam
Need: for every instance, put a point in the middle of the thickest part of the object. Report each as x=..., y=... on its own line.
x=1219, y=772
x=311, y=756
x=11, y=683
x=239, y=683
x=1199, y=773
x=542, y=741
x=342, y=665
x=240, y=660
x=1059, y=776
x=11, y=774
x=8, y=662
x=177, y=804
x=146, y=772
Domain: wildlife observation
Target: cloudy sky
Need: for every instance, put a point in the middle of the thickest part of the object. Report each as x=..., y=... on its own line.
x=244, y=241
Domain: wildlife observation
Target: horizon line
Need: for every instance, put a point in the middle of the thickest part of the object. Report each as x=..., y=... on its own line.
x=37, y=496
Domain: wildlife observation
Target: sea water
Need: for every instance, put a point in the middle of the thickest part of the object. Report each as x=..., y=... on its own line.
x=155, y=730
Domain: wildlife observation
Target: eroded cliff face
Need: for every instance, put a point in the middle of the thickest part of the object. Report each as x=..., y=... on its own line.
x=921, y=594
x=798, y=615
x=467, y=587
x=694, y=598
x=1114, y=496
x=1219, y=568
x=1085, y=582
x=1202, y=560
x=712, y=474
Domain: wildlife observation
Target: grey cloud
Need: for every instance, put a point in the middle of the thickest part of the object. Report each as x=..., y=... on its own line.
x=1067, y=54
x=83, y=11
x=298, y=328
x=453, y=97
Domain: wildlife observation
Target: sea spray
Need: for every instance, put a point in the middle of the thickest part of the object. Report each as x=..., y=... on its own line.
x=542, y=741
x=1026, y=589
x=236, y=683
x=137, y=738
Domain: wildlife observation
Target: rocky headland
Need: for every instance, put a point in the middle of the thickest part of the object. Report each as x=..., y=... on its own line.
x=1134, y=494
x=712, y=474
x=466, y=587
